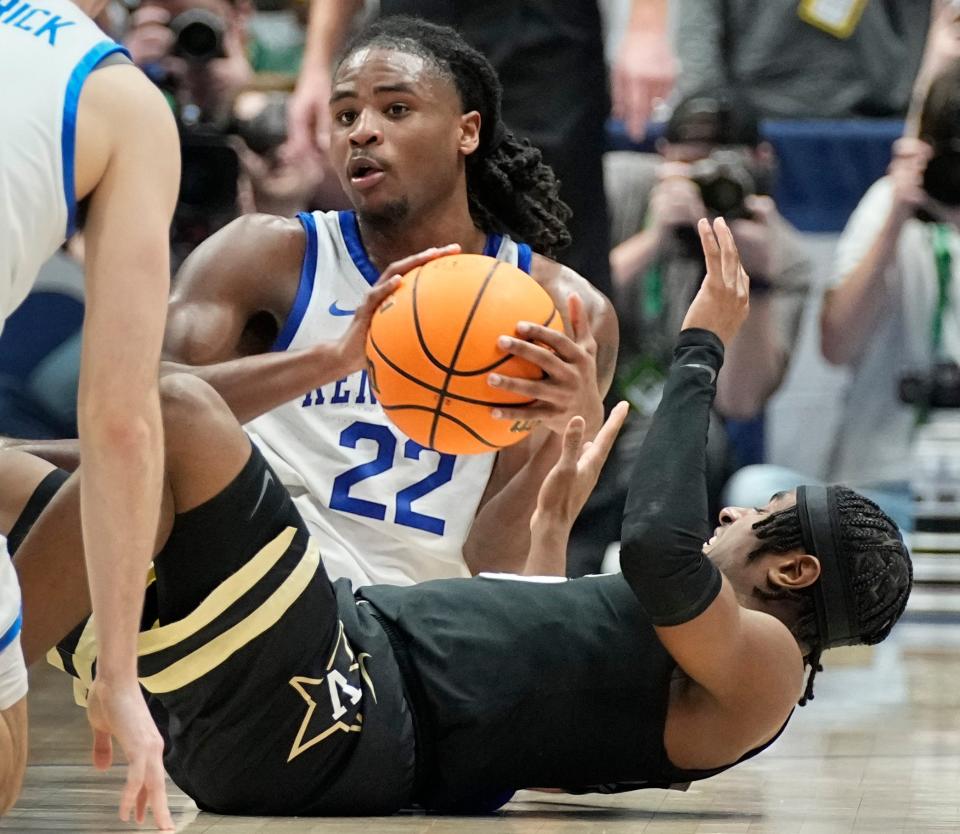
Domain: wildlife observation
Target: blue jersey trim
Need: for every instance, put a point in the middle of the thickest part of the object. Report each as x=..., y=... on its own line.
x=308, y=272
x=492, y=248
x=68, y=129
x=524, y=257
x=350, y=228
x=11, y=633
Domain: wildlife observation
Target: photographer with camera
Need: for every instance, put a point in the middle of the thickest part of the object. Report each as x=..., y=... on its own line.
x=712, y=163
x=195, y=51
x=892, y=316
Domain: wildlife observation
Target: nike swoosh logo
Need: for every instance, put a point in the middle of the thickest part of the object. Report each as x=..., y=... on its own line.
x=267, y=480
x=336, y=311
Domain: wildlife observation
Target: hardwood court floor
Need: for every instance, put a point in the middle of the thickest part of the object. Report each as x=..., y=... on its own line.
x=877, y=751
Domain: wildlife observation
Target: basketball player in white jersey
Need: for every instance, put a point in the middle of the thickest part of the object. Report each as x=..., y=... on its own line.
x=273, y=312
x=426, y=161
x=79, y=122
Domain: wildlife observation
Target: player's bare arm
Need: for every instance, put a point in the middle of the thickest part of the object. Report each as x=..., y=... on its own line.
x=565, y=490
x=231, y=299
x=580, y=368
x=128, y=162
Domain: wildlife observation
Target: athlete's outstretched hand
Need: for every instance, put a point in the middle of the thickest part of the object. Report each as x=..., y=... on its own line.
x=723, y=301
x=119, y=711
x=565, y=490
x=353, y=343
x=569, y=387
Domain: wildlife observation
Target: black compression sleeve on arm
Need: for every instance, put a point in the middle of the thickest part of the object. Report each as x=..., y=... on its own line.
x=665, y=522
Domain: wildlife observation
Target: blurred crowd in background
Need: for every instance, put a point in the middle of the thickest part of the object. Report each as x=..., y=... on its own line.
x=828, y=133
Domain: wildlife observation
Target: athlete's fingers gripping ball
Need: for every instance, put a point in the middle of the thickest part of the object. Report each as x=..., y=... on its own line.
x=569, y=383
x=433, y=343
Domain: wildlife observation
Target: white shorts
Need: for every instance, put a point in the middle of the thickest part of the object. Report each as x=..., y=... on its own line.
x=13, y=670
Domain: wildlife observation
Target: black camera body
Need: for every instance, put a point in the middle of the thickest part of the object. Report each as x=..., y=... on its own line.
x=207, y=201
x=725, y=180
x=936, y=387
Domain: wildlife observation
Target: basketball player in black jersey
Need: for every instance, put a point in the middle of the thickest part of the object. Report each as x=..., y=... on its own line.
x=282, y=693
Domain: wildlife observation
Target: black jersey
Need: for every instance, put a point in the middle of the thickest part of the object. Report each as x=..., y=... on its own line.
x=519, y=684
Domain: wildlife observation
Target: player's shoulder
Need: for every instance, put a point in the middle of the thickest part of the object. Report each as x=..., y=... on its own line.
x=122, y=93
x=254, y=250
x=265, y=230
x=560, y=281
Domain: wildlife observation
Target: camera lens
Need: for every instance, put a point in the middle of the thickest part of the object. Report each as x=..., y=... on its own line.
x=198, y=35
x=723, y=196
x=941, y=180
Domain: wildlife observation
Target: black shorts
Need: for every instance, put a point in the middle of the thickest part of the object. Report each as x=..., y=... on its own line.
x=275, y=694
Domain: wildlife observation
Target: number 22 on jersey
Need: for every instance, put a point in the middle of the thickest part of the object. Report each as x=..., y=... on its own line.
x=402, y=503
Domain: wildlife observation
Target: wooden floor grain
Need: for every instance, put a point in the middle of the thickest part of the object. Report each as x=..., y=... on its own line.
x=878, y=750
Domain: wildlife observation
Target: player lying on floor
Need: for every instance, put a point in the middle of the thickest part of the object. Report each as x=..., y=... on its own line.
x=280, y=692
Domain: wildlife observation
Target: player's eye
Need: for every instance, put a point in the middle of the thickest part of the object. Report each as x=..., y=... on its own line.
x=398, y=109
x=346, y=117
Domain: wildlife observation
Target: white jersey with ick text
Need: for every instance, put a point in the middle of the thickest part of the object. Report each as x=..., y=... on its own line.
x=47, y=50
x=383, y=508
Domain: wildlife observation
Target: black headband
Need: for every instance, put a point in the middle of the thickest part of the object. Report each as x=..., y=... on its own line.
x=819, y=525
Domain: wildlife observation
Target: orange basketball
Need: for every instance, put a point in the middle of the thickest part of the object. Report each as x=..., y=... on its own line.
x=434, y=341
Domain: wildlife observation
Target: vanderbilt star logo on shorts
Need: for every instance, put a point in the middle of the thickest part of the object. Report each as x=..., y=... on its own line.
x=333, y=689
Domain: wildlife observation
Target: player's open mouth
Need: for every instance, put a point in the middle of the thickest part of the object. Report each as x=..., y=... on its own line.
x=364, y=173
x=713, y=539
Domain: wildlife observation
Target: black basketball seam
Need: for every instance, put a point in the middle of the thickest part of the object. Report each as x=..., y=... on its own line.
x=449, y=417
x=433, y=388
x=433, y=359
x=456, y=351
x=501, y=360
x=419, y=330
x=452, y=372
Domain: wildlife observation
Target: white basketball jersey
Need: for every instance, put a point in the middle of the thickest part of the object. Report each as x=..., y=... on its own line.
x=383, y=508
x=47, y=50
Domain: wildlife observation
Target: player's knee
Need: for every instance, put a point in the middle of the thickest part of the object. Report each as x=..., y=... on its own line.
x=20, y=474
x=196, y=422
x=188, y=400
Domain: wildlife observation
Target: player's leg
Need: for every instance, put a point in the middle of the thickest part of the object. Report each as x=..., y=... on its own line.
x=205, y=450
x=13, y=752
x=27, y=486
x=20, y=474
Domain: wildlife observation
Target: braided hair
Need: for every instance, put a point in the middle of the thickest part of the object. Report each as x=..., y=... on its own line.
x=509, y=187
x=880, y=572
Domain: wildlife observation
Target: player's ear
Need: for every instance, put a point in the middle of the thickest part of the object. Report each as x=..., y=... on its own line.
x=469, y=132
x=793, y=570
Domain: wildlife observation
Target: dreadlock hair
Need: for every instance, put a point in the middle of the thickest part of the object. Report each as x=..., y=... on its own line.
x=509, y=187
x=879, y=571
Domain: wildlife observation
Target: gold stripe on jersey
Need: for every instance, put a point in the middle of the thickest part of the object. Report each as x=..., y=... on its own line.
x=210, y=655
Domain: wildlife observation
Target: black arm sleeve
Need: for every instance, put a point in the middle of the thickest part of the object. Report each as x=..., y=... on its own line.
x=665, y=522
